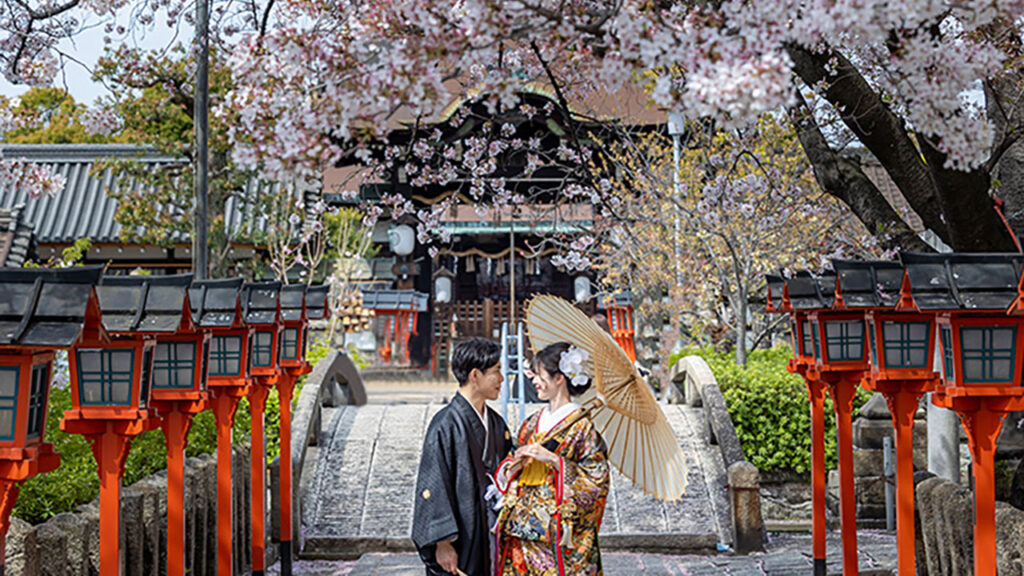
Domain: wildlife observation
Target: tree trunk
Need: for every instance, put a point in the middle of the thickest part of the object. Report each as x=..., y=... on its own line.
x=740, y=306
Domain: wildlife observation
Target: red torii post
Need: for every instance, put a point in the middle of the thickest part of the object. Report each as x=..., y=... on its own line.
x=159, y=305
x=299, y=304
x=42, y=311
x=262, y=306
x=778, y=301
x=110, y=385
x=217, y=307
x=982, y=357
x=902, y=345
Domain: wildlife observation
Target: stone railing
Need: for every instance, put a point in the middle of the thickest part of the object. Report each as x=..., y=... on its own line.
x=694, y=379
x=69, y=543
x=334, y=381
x=945, y=530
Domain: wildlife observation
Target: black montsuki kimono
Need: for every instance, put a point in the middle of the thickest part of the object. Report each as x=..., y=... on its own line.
x=452, y=481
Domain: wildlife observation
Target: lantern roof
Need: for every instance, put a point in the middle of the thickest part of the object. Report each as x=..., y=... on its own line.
x=870, y=284
x=619, y=299
x=46, y=307
x=807, y=291
x=963, y=281
x=775, y=285
x=261, y=302
x=144, y=303
x=316, y=302
x=292, y=302
x=215, y=303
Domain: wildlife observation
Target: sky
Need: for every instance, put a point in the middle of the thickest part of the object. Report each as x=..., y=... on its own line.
x=87, y=47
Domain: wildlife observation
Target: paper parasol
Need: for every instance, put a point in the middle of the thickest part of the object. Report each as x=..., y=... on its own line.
x=641, y=443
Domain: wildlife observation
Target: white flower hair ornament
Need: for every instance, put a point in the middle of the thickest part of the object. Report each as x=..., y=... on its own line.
x=571, y=364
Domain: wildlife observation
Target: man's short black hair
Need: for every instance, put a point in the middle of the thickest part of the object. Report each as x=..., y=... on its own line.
x=474, y=353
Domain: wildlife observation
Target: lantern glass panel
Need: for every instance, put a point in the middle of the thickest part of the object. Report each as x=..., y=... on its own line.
x=290, y=344
x=262, y=348
x=987, y=353
x=174, y=365
x=147, y=377
x=37, y=400
x=206, y=362
x=807, y=347
x=105, y=376
x=305, y=342
x=906, y=344
x=844, y=340
x=8, y=400
x=226, y=356
x=946, y=334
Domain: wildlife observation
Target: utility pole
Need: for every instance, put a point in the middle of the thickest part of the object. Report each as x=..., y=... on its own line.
x=201, y=120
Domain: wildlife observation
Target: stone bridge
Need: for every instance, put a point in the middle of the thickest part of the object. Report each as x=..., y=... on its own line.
x=357, y=486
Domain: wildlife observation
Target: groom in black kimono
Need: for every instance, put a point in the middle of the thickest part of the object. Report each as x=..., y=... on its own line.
x=464, y=444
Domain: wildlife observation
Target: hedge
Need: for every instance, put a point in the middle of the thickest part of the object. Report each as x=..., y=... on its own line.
x=75, y=481
x=770, y=408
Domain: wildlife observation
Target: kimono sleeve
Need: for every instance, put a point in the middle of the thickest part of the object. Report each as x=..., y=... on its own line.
x=434, y=513
x=584, y=476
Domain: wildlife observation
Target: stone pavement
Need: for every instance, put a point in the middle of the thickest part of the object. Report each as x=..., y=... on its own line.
x=359, y=487
x=787, y=555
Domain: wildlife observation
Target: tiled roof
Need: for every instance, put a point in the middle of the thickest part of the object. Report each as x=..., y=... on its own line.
x=15, y=236
x=83, y=209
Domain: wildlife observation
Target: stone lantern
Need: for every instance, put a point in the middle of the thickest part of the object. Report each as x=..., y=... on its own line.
x=159, y=306
x=217, y=308
x=41, y=311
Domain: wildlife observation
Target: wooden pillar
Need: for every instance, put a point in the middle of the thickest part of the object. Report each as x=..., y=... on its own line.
x=224, y=404
x=8, y=497
x=982, y=427
x=110, y=450
x=258, y=475
x=842, y=392
x=816, y=392
x=285, y=385
x=175, y=426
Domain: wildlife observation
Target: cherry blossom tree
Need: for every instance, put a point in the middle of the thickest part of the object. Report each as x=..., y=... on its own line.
x=747, y=205
x=931, y=88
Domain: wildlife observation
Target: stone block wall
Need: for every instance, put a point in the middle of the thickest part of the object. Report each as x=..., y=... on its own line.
x=945, y=530
x=68, y=544
x=870, y=428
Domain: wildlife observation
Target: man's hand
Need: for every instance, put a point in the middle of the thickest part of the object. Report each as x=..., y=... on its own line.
x=447, y=558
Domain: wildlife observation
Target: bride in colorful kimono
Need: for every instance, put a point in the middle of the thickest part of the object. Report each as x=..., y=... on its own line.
x=555, y=484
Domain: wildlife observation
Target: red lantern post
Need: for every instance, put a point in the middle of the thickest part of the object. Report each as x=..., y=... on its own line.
x=217, y=307
x=40, y=311
x=902, y=346
x=840, y=361
x=982, y=357
x=261, y=302
x=808, y=295
x=111, y=374
x=299, y=304
x=159, y=306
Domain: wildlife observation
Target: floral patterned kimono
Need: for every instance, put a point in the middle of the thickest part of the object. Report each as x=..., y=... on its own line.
x=551, y=514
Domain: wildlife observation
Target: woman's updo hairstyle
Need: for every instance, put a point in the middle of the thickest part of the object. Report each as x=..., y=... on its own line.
x=550, y=357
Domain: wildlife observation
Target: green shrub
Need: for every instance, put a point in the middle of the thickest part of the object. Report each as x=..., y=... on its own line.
x=770, y=408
